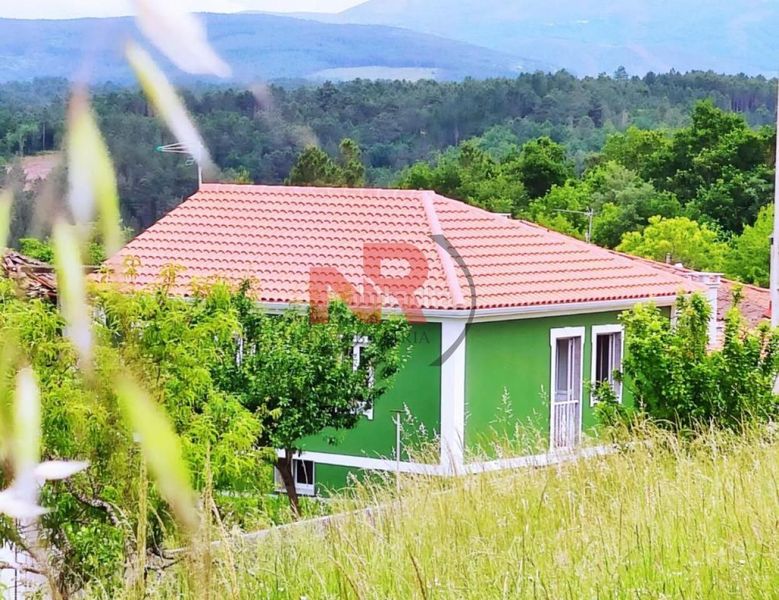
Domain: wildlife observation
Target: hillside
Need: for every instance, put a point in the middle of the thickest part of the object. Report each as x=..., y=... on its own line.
x=258, y=46
x=655, y=522
x=593, y=36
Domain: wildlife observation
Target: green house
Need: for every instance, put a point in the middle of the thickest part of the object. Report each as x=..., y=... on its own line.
x=511, y=322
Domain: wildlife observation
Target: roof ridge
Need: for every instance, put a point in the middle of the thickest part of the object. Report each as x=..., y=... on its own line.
x=309, y=190
x=438, y=237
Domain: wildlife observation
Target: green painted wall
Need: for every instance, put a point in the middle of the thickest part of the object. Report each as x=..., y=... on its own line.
x=330, y=479
x=514, y=358
x=417, y=386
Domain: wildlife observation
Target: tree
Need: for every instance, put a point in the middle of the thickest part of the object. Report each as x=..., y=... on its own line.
x=563, y=208
x=352, y=167
x=679, y=382
x=735, y=198
x=680, y=240
x=298, y=375
x=624, y=202
x=620, y=200
x=315, y=167
x=470, y=174
x=750, y=254
x=541, y=164
x=719, y=166
x=638, y=149
x=171, y=345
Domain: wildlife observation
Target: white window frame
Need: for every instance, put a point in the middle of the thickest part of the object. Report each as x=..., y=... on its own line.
x=301, y=488
x=361, y=342
x=555, y=334
x=598, y=330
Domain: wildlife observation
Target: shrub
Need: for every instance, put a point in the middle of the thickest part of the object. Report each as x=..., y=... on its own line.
x=678, y=380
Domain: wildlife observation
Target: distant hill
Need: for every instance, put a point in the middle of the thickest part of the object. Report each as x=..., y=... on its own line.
x=593, y=36
x=258, y=46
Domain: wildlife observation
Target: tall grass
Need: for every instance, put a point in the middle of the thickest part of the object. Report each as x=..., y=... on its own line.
x=659, y=519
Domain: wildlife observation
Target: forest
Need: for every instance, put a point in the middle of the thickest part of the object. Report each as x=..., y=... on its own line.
x=636, y=163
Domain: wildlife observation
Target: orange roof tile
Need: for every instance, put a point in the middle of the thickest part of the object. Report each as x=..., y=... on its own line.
x=412, y=249
x=755, y=303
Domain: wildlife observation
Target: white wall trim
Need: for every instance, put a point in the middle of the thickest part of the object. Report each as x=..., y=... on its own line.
x=601, y=329
x=453, y=396
x=555, y=334
x=365, y=462
x=532, y=460
x=605, y=330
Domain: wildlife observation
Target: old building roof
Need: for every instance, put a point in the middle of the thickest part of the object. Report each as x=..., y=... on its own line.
x=390, y=247
x=755, y=304
x=35, y=279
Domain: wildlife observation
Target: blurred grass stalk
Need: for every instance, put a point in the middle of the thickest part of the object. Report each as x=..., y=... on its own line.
x=92, y=190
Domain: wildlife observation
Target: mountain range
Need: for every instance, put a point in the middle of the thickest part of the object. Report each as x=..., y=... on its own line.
x=589, y=37
x=257, y=46
x=435, y=39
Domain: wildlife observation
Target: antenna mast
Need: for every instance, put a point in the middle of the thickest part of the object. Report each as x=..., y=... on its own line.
x=179, y=148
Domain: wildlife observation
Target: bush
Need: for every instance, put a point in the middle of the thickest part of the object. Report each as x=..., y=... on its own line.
x=678, y=380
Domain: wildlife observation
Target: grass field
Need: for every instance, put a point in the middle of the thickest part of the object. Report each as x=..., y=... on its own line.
x=660, y=519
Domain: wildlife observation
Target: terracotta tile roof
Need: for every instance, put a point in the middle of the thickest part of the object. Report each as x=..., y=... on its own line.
x=408, y=248
x=755, y=301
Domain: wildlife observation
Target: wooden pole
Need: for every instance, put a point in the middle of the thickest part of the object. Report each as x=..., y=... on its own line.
x=775, y=237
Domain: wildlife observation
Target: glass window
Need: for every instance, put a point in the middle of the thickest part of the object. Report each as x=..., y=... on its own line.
x=608, y=359
x=304, y=472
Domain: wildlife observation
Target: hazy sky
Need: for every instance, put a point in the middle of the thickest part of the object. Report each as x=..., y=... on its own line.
x=69, y=9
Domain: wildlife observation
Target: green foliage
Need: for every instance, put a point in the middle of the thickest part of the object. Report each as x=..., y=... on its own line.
x=679, y=239
x=396, y=124
x=79, y=421
x=43, y=250
x=679, y=381
x=295, y=372
x=749, y=257
x=563, y=208
x=718, y=168
x=620, y=200
x=171, y=345
x=470, y=174
x=624, y=202
x=37, y=249
x=541, y=164
x=638, y=149
x=314, y=167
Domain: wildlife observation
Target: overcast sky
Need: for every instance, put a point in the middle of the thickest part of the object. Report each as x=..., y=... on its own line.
x=69, y=9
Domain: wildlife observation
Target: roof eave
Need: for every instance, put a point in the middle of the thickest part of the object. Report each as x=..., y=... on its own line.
x=509, y=312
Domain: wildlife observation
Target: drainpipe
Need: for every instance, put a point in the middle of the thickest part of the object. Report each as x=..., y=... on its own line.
x=712, y=283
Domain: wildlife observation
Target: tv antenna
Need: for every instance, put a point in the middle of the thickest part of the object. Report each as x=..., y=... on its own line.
x=196, y=159
x=589, y=213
